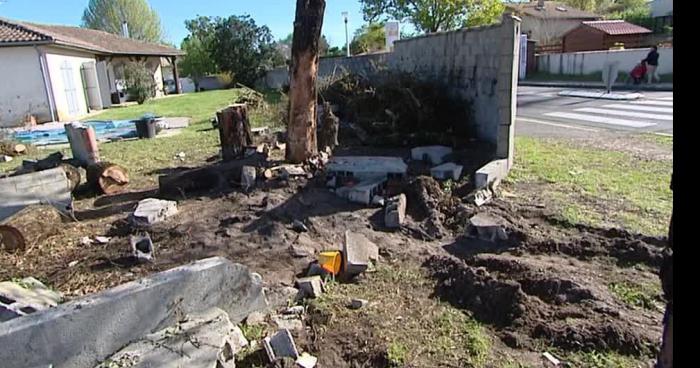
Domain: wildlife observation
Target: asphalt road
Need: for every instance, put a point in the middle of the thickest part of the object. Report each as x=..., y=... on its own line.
x=542, y=112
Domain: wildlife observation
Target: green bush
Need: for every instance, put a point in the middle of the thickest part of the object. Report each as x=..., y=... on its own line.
x=139, y=82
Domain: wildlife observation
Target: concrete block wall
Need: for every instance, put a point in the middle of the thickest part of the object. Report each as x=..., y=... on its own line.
x=588, y=62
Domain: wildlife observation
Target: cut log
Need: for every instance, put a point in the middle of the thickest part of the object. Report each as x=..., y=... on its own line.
x=11, y=239
x=73, y=175
x=301, y=130
x=328, y=131
x=234, y=131
x=107, y=177
x=28, y=227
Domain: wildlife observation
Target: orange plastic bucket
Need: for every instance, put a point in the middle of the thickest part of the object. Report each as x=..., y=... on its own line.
x=330, y=261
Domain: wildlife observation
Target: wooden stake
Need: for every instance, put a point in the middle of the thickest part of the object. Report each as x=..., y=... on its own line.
x=301, y=130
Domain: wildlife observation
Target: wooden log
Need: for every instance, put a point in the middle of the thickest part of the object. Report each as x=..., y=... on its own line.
x=28, y=227
x=73, y=175
x=301, y=130
x=234, y=131
x=328, y=131
x=107, y=177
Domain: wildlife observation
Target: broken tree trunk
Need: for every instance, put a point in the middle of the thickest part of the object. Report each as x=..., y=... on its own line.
x=107, y=177
x=328, y=131
x=234, y=131
x=301, y=130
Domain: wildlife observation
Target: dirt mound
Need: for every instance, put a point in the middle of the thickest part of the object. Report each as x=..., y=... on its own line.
x=525, y=300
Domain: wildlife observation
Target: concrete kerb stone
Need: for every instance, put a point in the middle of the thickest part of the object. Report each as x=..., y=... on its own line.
x=84, y=332
x=493, y=171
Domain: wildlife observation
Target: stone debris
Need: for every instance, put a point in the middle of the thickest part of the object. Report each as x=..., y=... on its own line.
x=395, y=211
x=151, y=210
x=85, y=241
x=290, y=171
x=311, y=286
x=280, y=345
x=486, y=227
x=366, y=167
x=206, y=340
x=255, y=318
x=433, y=154
x=299, y=226
x=363, y=192
x=102, y=239
x=482, y=196
x=26, y=296
x=358, y=253
x=288, y=322
x=297, y=309
x=378, y=201
x=551, y=358
x=446, y=171
x=306, y=360
x=6, y=158
x=493, y=171
x=248, y=177
x=358, y=303
x=142, y=247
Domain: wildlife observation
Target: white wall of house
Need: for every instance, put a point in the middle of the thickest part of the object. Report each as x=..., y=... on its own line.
x=588, y=62
x=66, y=82
x=548, y=31
x=22, y=89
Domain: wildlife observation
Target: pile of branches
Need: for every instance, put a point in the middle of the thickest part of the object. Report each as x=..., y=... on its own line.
x=399, y=108
x=251, y=97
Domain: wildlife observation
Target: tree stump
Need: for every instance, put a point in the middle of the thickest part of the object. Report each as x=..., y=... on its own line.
x=234, y=131
x=328, y=131
x=73, y=175
x=107, y=177
x=28, y=227
x=301, y=130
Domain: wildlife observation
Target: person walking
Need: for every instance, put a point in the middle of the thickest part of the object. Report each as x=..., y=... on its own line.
x=652, y=61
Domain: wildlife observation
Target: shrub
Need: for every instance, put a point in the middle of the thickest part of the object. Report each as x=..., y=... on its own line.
x=139, y=81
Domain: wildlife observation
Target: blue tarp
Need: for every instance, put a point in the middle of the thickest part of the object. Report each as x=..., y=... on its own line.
x=104, y=129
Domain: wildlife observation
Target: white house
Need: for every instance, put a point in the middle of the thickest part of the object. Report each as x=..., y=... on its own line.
x=61, y=73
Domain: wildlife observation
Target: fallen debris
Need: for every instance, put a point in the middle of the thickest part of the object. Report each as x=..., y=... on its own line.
x=493, y=171
x=248, y=177
x=288, y=322
x=358, y=252
x=363, y=192
x=395, y=211
x=107, y=178
x=306, y=360
x=311, y=286
x=551, y=358
x=482, y=196
x=255, y=318
x=25, y=296
x=280, y=345
x=358, y=303
x=446, y=171
x=102, y=239
x=152, y=210
x=435, y=155
x=486, y=227
x=142, y=247
x=366, y=167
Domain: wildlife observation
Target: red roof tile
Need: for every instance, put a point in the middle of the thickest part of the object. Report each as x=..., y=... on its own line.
x=616, y=27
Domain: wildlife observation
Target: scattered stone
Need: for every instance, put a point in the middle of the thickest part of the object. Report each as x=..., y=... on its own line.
x=297, y=309
x=255, y=318
x=358, y=303
x=363, y=192
x=315, y=269
x=482, y=196
x=446, y=171
x=151, y=210
x=102, y=239
x=85, y=241
x=358, y=252
x=551, y=358
x=306, y=361
x=299, y=226
x=290, y=322
x=486, y=227
x=26, y=296
x=289, y=171
x=367, y=167
x=395, y=211
x=6, y=158
x=311, y=286
x=142, y=247
x=280, y=345
x=247, y=177
x=433, y=154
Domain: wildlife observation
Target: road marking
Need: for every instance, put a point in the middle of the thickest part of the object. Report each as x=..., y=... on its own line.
x=528, y=120
x=600, y=119
x=631, y=114
x=663, y=134
x=652, y=102
x=668, y=110
x=665, y=98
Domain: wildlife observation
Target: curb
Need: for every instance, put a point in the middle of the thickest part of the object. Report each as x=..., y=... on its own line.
x=617, y=87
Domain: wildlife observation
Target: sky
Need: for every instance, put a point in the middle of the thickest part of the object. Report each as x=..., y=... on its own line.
x=278, y=15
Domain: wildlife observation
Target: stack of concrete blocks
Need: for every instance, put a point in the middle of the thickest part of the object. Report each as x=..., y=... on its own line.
x=395, y=211
x=435, y=155
x=27, y=296
x=372, y=172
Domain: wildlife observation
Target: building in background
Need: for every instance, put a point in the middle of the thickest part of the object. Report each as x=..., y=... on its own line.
x=547, y=21
x=604, y=35
x=662, y=14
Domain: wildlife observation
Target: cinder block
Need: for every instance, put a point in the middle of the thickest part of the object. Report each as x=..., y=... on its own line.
x=83, y=332
x=311, y=286
x=395, y=211
x=358, y=252
x=448, y=170
x=280, y=345
x=494, y=170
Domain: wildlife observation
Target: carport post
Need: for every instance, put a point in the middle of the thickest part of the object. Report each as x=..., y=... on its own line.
x=176, y=75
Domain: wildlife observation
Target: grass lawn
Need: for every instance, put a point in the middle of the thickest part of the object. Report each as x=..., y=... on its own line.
x=598, y=187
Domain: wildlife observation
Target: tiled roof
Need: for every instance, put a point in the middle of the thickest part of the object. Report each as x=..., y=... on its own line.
x=551, y=9
x=617, y=27
x=13, y=32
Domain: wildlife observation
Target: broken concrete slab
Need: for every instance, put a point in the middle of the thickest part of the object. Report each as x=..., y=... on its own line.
x=433, y=154
x=494, y=171
x=25, y=296
x=248, y=177
x=289, y=322
x=446, y=171
x=310, y=286
x=280, y=345
x=92, y=328
x=395, y=211
x=487, y=227
x=152, y=210
x=306, y=360
x=203, y=341
x=367, y=167
x=358, y=252
x=52, y=187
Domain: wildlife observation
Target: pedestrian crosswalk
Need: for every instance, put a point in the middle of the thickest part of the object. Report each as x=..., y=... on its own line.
x=643, y=113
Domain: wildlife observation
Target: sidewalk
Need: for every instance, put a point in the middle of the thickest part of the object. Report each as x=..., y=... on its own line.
x=598, y=85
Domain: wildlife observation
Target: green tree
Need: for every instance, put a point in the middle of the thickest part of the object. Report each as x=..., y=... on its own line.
x=368, y=38
x=108, y=16
x=485, y=12
x=243, y=49
x=140, y=84
x=198, y=45
x=425, y=15
x=335, y=51
x=285, y=46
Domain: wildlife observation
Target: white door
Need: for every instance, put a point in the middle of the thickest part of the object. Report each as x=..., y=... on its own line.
x=92, y=87
x=69, y=89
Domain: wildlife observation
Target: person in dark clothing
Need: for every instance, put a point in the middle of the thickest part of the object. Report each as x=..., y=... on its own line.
x=665, y=359
x=652, y=62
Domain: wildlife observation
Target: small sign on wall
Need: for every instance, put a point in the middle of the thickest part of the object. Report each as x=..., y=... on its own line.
x=523, y=57
x=391, y=33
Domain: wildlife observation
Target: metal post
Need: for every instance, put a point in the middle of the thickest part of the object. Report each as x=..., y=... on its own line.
x=347, y=41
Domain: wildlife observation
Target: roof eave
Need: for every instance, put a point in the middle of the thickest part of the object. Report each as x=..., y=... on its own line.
x=25, y=43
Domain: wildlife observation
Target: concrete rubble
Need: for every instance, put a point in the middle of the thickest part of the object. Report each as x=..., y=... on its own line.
x=202, y=341
x=358, y=253
x=492, y=172
x=310, y=286
x=142, y=247
x=26, y=296
x=486, y=227
x=364, y=192
x=280, y=345
x=288, y=322
x=152, y=210
x=432, y=154
x=395, y=211
x=306, y=360
x=446, y=171
x=366, y=167
x=132, y=311
x=248, y=177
